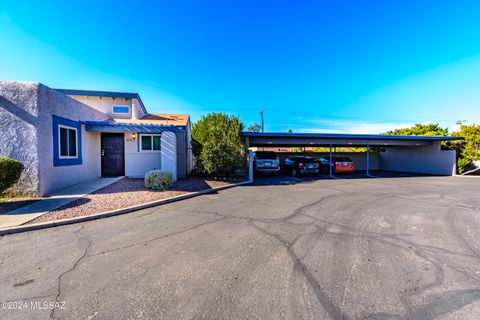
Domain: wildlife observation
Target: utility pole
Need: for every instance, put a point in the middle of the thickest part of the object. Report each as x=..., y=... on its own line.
x=458, y=125
x=261, y=116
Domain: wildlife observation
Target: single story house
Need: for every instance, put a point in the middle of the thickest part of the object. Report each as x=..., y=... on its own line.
x=65, y=137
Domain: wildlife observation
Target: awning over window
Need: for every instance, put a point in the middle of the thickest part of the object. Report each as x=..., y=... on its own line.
x=128, y=127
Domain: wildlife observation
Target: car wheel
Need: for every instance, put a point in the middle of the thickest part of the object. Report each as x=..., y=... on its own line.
x=294, y=172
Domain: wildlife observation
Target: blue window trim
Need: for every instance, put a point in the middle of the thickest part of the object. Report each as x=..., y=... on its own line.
x=121, y=109
x=57, y=162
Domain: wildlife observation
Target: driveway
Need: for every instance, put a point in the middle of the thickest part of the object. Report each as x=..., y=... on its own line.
x=378, y=248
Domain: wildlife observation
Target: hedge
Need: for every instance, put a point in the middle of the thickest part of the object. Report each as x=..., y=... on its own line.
x=10, y=171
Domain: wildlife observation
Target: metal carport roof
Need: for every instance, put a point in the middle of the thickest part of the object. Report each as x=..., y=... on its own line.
x=270, y=139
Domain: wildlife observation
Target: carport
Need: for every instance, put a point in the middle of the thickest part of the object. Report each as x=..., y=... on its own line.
x=409, y=154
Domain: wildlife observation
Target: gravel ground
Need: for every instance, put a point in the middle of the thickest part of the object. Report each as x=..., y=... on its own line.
x=125, y=193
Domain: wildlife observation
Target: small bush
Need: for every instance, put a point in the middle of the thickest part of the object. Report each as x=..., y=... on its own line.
x=10, y=171
x=158, y=180
x=462, y=163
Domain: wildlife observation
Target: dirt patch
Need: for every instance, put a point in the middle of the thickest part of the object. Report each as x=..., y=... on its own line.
x=125, y=193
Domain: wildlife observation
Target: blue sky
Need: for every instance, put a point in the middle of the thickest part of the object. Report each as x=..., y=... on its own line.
x=313, y=66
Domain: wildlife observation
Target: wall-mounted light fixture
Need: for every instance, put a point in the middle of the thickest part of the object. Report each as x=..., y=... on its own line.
x=133, y=135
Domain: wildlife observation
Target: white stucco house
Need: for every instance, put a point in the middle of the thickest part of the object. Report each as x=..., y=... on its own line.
x=65, y=137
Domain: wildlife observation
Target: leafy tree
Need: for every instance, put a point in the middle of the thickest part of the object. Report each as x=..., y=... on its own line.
x=295, y=149
x=255, y=128
x=218, y=146
x=420, y=130
x=321, y=149
x=469, y=149
x=339, y=149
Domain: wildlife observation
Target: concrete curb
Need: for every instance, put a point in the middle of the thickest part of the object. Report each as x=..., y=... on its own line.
x=62, y=222
x=467, y=176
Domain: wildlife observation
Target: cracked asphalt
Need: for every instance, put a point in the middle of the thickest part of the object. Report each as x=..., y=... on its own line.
x=379, y=248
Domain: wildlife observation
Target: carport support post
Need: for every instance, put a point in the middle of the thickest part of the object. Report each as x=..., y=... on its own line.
x=330, y=166
x=368, y=160
x=250, y=165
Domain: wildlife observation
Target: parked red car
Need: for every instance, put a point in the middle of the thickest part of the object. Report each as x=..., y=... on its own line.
x=339, y=165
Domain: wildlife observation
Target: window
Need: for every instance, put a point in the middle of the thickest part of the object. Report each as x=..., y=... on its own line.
x=120, y=109
x=67, y=142
x=150, y=142
x=324, y=161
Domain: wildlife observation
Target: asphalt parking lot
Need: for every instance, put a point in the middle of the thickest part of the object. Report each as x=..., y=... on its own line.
x=391, y=247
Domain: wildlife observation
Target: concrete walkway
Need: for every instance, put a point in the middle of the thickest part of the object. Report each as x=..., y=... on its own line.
x=56, y=200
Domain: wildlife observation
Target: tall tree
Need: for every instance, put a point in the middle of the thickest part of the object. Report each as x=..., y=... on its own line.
x=469, y=149
x=255, y=128
x=218, y=146
x=418, y=129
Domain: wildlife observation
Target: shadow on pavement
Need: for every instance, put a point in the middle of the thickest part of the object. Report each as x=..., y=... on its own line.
x=288, y=180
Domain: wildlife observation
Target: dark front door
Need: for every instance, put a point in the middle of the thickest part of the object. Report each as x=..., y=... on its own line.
x=113, y=154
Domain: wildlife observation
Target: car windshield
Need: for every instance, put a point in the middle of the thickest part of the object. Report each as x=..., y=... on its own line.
x=266, y=155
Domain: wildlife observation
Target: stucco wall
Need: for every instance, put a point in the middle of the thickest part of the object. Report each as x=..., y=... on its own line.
x=359, y=158
x=53, y=178
x=18, y=133
x=105, y=105
x=184, y=152
x=189, y=157
x=137, y=110
x=137, y=163
x=169, y=153
x=427, y=160
x=181, y=154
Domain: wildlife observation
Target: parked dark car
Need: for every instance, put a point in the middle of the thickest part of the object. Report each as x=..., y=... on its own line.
x=339, y=165
x=266, y=162
x=300, y=165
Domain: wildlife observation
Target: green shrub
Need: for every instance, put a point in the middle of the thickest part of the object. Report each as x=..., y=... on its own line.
x=10, y=171
x=468, y=150
x=158, y=180
x=217, y=145
x=462, y=163
x=418, y=129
